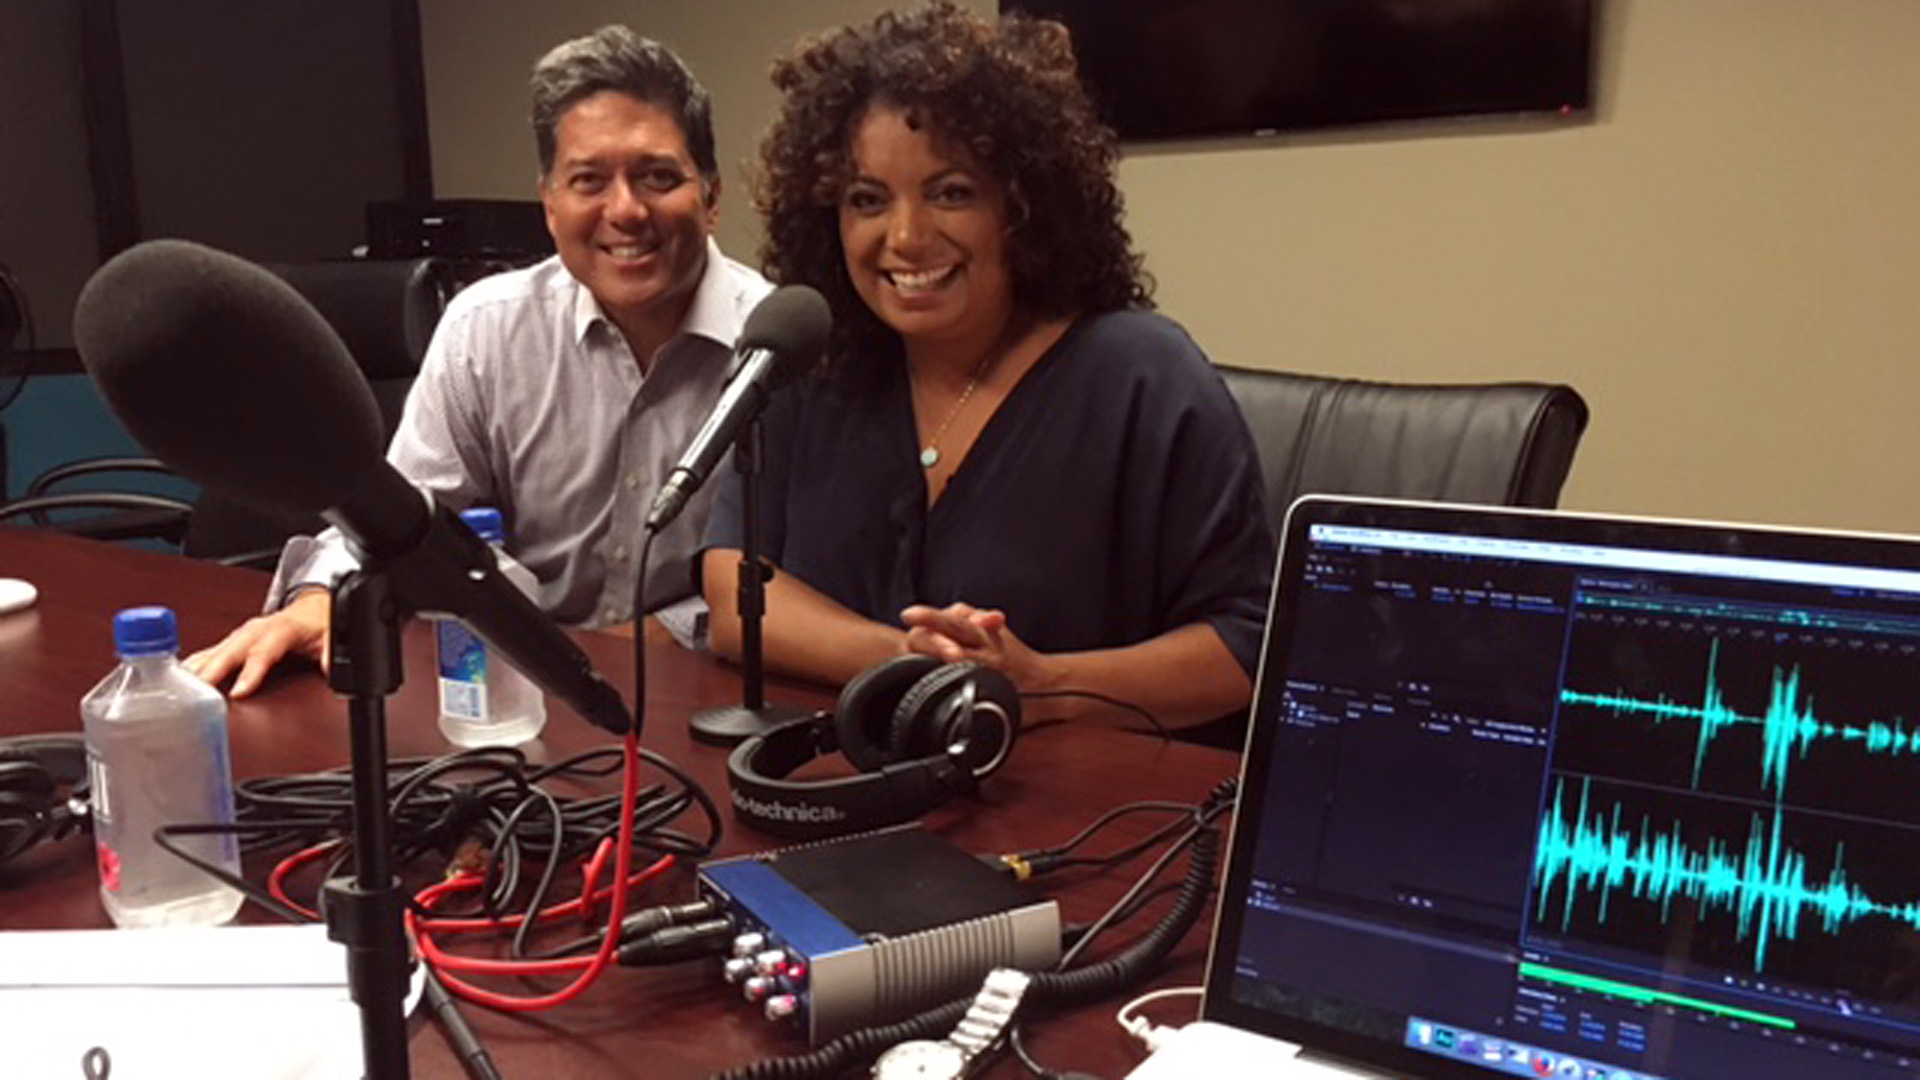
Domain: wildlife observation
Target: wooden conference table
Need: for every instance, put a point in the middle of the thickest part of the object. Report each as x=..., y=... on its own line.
x=670, y=1022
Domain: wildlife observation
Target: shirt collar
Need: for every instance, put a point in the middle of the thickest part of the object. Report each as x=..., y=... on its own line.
x=712, y=314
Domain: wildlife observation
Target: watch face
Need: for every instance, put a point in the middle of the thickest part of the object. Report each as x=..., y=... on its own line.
x=921, y=1060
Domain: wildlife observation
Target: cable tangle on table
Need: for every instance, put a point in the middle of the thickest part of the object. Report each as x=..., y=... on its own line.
x=488, y=825
x=481, y=810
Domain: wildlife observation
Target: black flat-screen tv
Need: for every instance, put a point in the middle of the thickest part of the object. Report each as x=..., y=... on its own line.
x=1174, y=69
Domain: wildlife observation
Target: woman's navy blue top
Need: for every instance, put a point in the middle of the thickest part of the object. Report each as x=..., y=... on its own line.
x=1115, y=495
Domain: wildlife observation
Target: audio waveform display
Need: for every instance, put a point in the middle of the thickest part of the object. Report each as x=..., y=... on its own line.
x=1788, y=726
x=1765, y=884
x=1722, y=609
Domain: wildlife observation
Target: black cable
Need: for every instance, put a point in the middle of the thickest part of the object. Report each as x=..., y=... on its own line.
x=1017, y=1043
x=640, y=633
x=429, y=809
x=1139, y=905
x=640, y=924
x=1153, y=721
x=164, y=837
x=473, y=1054
x=674, y=943
x=1221, y=798
x=1139, y=886
x=1115, y=814
x=1041, y=861
x=547, y=871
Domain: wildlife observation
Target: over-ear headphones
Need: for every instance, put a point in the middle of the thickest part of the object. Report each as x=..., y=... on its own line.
x=42, y=790
x=918, y=730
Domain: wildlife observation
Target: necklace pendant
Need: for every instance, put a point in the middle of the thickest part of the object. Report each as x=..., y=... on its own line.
x=929, y=457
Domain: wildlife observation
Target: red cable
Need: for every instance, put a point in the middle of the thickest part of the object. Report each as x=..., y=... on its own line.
x=589, y=877
x=440, y=958
x=622, y=871
x=277, y=878
x=582, y=904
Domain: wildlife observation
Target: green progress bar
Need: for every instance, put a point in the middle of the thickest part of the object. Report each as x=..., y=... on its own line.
x=1641, y=993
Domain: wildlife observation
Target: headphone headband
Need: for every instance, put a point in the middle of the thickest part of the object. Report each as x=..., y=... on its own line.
x=919, y=731
x=817, y=809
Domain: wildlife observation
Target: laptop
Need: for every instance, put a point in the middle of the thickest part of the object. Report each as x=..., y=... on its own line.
x=1547, y=795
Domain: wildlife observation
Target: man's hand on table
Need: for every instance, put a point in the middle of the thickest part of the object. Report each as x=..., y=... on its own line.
x=253, y=648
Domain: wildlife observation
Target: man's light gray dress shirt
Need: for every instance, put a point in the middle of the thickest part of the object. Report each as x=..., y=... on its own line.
x=529, y=399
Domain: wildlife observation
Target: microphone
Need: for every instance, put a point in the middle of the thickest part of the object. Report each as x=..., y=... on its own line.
x=224, y=372
x=784, y=334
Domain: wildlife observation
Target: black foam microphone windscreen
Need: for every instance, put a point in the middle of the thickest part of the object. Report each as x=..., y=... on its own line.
x=223, y=371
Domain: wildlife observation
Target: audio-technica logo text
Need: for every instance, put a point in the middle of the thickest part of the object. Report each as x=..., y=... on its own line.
x=771, y=810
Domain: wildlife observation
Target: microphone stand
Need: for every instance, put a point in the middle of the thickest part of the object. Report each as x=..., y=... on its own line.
x=364, y=912
x=726, y=725
x=442, y=568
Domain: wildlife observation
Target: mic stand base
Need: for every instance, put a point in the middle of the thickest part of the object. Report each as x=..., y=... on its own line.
x=729, y=724
x=725, y=725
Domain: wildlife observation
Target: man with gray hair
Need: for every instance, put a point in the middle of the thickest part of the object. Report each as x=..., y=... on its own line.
x=563, y=393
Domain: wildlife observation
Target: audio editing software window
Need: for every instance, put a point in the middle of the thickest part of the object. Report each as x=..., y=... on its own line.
x=1655, y=812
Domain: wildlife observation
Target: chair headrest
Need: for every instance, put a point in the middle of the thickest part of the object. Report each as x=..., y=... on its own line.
x=383, y=309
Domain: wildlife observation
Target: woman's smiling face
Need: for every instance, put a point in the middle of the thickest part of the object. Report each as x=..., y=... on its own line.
x=924, y=230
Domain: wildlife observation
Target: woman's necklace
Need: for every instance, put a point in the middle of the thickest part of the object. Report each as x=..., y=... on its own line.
x=930, y=453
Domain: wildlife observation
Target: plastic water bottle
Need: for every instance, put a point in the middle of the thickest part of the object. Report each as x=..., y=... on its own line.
x=484, y=700
x=157, y=755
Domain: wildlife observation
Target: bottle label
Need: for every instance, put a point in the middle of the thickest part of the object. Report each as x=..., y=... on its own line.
x=463, y=672
x=99, y=791
x=100, y=806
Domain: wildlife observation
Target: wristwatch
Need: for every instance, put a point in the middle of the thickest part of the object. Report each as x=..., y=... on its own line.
x=953, y=1057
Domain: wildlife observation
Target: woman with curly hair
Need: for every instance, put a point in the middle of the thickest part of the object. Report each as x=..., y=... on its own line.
x=1007, y=459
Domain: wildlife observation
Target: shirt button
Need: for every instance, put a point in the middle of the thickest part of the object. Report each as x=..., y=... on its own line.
x=633, y=481
x=611, y=616
x=620, y=554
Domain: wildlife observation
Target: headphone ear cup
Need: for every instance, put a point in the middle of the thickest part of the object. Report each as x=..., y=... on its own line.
x=16, y=836
x=862, y=721
x=25, y=787
x=33, y=770
x=921, y=725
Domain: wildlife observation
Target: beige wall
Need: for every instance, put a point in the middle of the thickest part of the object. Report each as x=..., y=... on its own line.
x=1726, y=262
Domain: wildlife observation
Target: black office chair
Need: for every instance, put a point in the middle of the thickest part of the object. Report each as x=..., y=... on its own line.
x=102, y=513
x=384, y=311
x=1508, y=444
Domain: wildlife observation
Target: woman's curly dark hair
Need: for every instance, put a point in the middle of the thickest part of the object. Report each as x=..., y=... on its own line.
x=1012, y=95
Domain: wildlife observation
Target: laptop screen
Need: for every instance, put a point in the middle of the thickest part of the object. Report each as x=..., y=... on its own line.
x=1542, y=795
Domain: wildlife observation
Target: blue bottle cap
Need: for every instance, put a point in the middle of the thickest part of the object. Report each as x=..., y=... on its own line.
x=143, y=631
x=485, y=523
